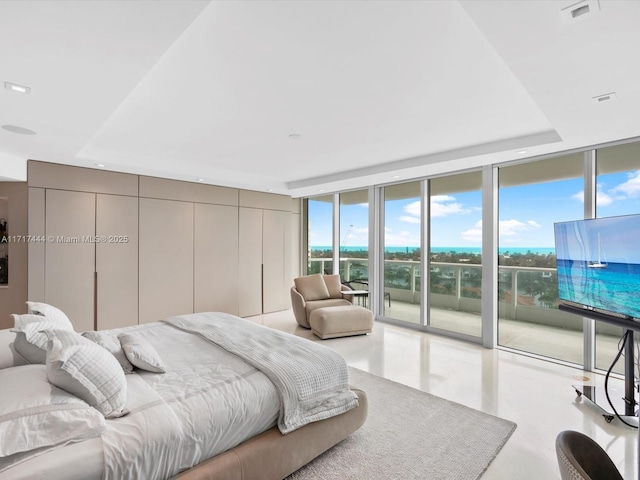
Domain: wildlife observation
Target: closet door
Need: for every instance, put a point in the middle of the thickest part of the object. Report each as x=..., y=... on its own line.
x=117, y=261
x=166, y=259
x=216, y=259
x=70, y=255
x=250, y=262
x=276, y=259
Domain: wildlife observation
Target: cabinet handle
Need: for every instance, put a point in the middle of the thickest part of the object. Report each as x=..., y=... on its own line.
x=95, y=300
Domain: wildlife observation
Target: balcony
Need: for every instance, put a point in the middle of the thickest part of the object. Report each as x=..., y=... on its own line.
x=528, y=320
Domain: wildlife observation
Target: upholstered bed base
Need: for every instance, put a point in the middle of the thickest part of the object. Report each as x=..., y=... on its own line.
x=273, y=456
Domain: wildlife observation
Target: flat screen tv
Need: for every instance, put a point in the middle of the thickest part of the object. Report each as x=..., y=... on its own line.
x=598, y=264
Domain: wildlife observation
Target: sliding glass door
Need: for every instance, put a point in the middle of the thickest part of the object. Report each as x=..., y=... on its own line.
x=354, y=240
x=617, y=193
x=402, y=255
x=532, y=197
x=320, y=234
x=455, y=253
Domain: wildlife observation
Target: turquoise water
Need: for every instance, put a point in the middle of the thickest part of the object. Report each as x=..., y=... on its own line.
x=615, y=288
x=475, y=250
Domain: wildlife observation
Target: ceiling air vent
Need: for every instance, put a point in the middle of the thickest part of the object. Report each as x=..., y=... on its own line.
x=579, y=10
x=604, y=98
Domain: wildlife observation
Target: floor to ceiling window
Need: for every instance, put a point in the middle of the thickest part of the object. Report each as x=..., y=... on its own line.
x=402, y=256
x=617, y=193
x=532, y=197
x=455, y=260
x=354, y=239
x=320, y=234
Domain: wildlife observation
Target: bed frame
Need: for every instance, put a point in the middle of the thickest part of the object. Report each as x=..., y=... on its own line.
x=273, y=456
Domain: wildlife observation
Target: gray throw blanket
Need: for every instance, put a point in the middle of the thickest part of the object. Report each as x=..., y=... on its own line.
x=313, y=380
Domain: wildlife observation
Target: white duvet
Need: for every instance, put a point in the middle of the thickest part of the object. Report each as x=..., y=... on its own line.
x=207, y=402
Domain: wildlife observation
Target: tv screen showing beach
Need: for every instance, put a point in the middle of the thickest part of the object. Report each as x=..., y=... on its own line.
x=598, y=263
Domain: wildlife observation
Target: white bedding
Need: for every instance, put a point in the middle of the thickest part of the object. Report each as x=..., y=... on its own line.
x=312, y=380
x=208, y=401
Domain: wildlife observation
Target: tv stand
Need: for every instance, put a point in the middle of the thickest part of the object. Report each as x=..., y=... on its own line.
x=624, y=405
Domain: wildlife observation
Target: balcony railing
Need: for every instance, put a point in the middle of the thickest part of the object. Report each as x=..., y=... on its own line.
x=527, y=294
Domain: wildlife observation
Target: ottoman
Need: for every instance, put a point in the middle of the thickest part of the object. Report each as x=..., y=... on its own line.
x=341, y=321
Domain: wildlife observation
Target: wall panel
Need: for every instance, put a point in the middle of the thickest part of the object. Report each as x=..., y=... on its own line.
x=166, y=259
x=250, y=264
x=276, y=245
x=70, y=258
x=216, y=259
x=117, y=261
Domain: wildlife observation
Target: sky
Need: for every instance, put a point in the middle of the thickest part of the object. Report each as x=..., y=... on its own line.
x=527, y=214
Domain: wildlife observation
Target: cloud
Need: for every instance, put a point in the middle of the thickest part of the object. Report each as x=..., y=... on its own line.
x=602, y=199
x=473, y=234
x=402, y=239
x=445, y=205
x=630, y=188
x=441, y=206
x=408, y=219
x=579, y=196
x=355, y=236
x=412, y=208
x=512, y=230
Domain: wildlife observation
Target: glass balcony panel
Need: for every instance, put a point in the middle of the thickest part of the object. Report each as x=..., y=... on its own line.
x=532, y=197
x=402, y=237
x=617, y=174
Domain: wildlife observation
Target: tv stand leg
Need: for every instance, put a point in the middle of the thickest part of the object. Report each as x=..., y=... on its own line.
x=629, y=377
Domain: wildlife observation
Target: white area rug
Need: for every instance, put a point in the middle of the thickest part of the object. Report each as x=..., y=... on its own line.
x=411, y=434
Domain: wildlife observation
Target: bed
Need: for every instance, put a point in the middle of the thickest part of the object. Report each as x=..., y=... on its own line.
x=217, y=411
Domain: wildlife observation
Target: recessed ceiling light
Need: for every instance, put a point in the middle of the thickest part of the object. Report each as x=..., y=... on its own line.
x=17, y=88
x=18, y=130
x=101, y=165
x=269, y=189
x=201, y=179
x=395, y=177
x=521, y=152
x=295, y=136
x=321, y=190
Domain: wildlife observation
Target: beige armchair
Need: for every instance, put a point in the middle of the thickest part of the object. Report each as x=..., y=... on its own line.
x=317, y=291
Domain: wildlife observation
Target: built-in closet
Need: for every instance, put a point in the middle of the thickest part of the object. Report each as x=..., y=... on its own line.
x=123, y=249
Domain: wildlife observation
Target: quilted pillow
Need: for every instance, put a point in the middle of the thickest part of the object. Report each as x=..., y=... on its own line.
x=31, y=341
x=36, y=414
x=312, y=287
x=52, y=313
x=112, y=344
x=141, y=353
x=87, y=370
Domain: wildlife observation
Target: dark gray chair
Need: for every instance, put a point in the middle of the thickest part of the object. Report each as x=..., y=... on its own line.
x=581, y=458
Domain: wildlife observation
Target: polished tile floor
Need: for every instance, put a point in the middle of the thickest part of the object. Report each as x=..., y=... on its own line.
x=535, y=394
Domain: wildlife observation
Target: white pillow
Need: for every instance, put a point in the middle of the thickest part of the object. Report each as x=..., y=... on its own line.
x=87, y=370
x=141, y=353
x=20, y=320
x=31, y=341
x=9, y=356
x=52, y=313
x=35, y=414
x=112, y=344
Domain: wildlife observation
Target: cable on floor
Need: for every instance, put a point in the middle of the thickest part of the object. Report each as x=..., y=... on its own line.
x=624, y=341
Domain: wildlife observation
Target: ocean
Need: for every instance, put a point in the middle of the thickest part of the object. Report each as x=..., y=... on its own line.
x=474, y=250
x=615, y=288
